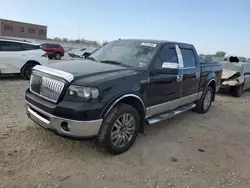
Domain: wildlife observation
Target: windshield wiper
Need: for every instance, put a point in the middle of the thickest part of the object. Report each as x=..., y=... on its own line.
x=115, y=63
x=91, y=58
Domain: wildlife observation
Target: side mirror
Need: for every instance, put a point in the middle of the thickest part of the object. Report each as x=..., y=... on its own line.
x=168, y=68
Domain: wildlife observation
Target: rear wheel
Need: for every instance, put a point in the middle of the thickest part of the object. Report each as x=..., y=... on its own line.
x=236, y=91
x=119, y=129
x=204, y=103
x=58, y=56
x=27, y=69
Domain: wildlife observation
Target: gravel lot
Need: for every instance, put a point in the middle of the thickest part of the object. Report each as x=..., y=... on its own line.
x=189, y=151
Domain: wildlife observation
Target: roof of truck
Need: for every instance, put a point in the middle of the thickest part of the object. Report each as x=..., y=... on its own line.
x=158, y=41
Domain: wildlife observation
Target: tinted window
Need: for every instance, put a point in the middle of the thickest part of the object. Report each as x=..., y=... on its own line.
x=31, y=30
x=166, y=55
x=188, y=58
x=10, y=46
x=41, y=32
x=8, y=27
x=43, y=45
x=52, y=46
x=29, y=47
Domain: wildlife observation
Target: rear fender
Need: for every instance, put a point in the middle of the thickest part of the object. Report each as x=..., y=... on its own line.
x=207, y=80
x=211, y=81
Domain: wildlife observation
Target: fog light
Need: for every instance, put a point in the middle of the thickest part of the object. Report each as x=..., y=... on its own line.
x=65, y=127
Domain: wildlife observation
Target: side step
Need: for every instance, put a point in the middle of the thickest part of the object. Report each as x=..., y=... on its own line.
x=169, y=114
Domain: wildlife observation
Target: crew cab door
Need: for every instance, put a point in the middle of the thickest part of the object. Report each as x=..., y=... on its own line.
x=191, y=74
x=163, y=87
x=10, y=57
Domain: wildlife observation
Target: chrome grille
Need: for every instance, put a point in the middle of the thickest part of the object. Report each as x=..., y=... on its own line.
x=46, y=87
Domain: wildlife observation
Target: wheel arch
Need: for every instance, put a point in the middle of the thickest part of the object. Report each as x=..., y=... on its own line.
x=212, y=84
x=130, y=99
x=58, y=52
x=29, y=61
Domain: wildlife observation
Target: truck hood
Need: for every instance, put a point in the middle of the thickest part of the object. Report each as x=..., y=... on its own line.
x=87, y=72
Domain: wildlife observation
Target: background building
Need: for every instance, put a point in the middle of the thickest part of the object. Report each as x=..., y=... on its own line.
x=23, y=30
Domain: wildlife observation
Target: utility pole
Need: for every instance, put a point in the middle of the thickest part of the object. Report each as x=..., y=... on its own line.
x=79, y=31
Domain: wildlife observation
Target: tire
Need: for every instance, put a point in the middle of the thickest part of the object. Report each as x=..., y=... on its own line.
x=237, y=91
x=204, y=103
x=114, y=130
x=27, y=69
x=50, y=57
x=58, y=56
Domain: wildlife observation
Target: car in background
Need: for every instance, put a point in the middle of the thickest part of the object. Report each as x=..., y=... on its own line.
x=235, y=77
x=53, y=50
x=19, y=57
x=76, y=52
x=89, y=51
x=80, y=53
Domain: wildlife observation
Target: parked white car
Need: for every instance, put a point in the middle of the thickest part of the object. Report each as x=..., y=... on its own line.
x=19, y=57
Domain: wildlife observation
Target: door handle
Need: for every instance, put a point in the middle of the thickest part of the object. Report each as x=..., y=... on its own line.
x=198, y=75
x=179, y=78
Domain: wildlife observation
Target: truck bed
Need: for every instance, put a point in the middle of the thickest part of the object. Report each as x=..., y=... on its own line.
x=207, y=69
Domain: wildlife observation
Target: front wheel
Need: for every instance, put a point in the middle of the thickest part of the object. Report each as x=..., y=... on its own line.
x=119, y=129
x=204, y=103
x=236, y=91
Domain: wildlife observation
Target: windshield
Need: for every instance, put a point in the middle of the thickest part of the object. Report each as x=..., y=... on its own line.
x=134, y=54
x=233, y=67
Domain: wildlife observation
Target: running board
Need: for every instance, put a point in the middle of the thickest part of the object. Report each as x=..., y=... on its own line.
x=169, y=114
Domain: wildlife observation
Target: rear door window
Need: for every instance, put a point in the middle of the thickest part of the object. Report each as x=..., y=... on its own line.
x=188, y=57
x=9, y=46
x=29, y=47
x=53, y=45
x=50, y=46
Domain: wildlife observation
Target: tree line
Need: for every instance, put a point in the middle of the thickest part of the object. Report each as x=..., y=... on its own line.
x=82, y=41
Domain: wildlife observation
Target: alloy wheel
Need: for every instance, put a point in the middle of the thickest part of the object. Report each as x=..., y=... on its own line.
x=123, y=130
x=207, y=100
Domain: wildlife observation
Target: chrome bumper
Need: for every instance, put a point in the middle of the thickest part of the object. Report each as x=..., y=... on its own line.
x=74, y=128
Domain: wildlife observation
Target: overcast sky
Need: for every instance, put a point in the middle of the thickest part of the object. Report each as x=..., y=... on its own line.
x=210, y=25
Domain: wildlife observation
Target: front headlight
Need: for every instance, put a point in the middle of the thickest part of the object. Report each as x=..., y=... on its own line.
x=81, y=92
x=231, y=82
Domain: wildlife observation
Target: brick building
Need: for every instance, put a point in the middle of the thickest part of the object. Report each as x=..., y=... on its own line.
x=22, y=30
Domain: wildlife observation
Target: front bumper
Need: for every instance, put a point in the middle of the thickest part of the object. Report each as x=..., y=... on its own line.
x=63, y=126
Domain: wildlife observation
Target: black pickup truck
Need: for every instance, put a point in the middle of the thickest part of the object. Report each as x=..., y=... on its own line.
x=120, y=88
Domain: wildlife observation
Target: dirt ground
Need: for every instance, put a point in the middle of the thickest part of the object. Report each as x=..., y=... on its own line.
x=190, y=151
